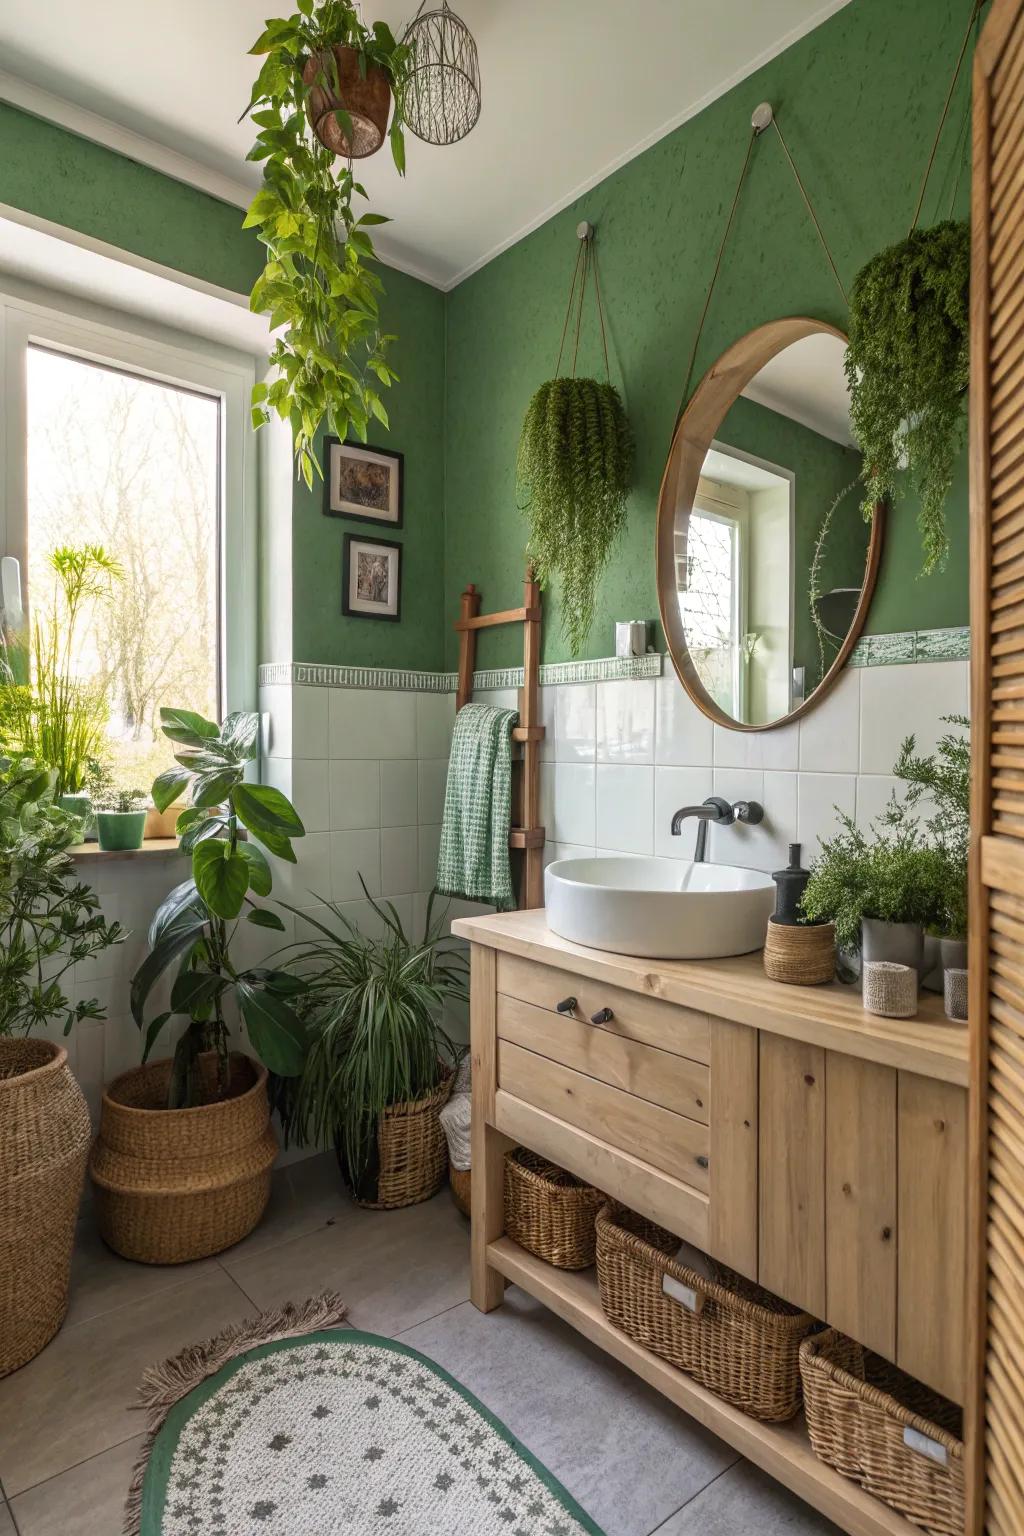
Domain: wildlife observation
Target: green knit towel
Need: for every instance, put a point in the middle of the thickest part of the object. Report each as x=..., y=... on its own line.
x=473, y=858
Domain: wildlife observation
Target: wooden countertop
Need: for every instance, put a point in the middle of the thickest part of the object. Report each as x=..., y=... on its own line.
x=830, y=1016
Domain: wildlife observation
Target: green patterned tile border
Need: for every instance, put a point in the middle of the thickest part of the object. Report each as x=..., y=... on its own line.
x=870, y=651
x=913, y=645
x=605, y=669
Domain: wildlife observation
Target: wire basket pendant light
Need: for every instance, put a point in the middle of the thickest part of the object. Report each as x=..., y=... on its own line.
x=442, y=93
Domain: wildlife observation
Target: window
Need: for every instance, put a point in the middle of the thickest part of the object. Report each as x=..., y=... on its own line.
x=123, y=433
x=131, y=465
x=709, y=603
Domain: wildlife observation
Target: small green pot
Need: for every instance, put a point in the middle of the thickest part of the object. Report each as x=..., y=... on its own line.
x=120, y=831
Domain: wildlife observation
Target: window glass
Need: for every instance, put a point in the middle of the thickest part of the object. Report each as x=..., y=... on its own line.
x=132, y=465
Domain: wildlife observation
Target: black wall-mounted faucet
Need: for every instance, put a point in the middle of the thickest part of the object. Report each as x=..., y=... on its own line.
x=719, y=811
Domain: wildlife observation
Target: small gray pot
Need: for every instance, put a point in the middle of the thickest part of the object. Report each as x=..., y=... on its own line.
x=931, y=964
x=901, y=943
x=954, y=954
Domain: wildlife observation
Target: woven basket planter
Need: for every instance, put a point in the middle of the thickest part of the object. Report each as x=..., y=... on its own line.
x=44, y=1143
x=550, y=1212
x=412, y=1154
x=179, y=1184
x=742, y=1343
x=861, y=1410
x=461, y=1181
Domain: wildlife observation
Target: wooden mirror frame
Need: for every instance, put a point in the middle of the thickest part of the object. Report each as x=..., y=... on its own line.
x=717, y=392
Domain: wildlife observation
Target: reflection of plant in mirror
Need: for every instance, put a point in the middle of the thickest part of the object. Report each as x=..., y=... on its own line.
x=58, y=718
x=573, y=469
x=907, y=366
x=814, y=592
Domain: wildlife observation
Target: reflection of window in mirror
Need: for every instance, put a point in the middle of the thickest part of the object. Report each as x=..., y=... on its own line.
x=736, y=592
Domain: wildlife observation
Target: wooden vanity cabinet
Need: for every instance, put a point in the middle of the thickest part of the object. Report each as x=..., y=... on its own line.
x=804, y=1144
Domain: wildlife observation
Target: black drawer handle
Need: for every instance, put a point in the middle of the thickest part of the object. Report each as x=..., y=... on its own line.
x=701, y=1161
x=567, y=1005
x=602, y=1016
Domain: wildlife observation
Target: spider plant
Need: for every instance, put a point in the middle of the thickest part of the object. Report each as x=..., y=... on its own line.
x=373, y=1006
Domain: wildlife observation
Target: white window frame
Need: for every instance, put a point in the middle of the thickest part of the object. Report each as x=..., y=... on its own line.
x=134, y=345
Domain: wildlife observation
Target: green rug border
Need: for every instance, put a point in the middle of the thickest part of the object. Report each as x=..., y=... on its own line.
x=154, y=1491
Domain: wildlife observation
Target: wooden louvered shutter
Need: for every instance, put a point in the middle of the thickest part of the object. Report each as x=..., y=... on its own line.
x=995, y=1421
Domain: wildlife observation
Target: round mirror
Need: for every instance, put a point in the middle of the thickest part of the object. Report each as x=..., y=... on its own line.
x=766, y=565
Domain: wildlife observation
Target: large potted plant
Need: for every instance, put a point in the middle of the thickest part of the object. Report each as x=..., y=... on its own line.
x=380, y=1062
x=942, y=780
x=323, y=90
x=881, y=889
x=182, y=1163
x=49, y=923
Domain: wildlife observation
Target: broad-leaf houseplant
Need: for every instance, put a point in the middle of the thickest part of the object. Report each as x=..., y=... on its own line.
x=207, y=1120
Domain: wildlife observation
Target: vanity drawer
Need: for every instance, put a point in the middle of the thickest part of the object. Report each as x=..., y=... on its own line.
x=668, y=1141
x=681, y=1031
x=674, y=1082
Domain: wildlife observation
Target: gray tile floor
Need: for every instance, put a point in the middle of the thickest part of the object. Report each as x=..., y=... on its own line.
x=69, y=1433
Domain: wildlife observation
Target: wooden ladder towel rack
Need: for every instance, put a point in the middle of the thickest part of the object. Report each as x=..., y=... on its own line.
x=526, y=835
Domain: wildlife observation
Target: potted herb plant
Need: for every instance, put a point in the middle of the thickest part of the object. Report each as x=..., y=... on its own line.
x=323, y=90
x=49, y=923
x=942, y=780
x=121, y=820
x=380, y=1061
x=881, y=890
x=191, y=1175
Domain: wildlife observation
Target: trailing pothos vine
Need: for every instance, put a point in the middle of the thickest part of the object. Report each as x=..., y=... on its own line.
x=331, y=358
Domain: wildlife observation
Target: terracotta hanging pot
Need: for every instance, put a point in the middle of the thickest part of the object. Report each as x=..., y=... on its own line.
x=366, y=99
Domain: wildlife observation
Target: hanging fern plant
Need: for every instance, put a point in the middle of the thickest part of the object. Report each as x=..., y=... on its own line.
x=573, y=474
x=907, y=367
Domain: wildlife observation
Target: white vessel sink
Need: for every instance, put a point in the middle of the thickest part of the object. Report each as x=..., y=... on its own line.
x=660, y=909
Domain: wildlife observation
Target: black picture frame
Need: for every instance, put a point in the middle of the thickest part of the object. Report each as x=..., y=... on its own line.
x=349, y=612
x=334, y=445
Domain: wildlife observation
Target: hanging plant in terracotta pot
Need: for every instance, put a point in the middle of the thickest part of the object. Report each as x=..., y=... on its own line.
x=325, y=89
x=573, y=472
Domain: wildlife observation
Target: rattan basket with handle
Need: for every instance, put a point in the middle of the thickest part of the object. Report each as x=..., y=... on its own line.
x=44, y=1143
x=740, y=1342
x=550, y=1212
x=412, y=1154
x=875, y=1424
x=173, y=1185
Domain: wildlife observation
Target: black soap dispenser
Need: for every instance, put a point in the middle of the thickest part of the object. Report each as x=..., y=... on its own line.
x=790, y=884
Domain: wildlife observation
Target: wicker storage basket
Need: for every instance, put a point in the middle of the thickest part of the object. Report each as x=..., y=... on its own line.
x=550, y=1212
x=857, y=1408
x=412, y=1154
x=179, y=1184
x=44, y=1143
x=743, y=1343
x=460, y=1180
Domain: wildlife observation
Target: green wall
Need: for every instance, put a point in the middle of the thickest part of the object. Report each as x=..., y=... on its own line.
x=858, y=99
x=414, y=313
x=81, y=185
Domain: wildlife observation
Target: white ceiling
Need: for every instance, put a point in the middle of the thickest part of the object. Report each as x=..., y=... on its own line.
x=571, y=89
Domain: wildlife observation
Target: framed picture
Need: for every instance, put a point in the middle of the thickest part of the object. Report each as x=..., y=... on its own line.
x=371, y=578
x=363, y=482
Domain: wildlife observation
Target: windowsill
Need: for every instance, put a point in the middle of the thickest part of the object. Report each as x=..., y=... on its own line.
x=151, y=848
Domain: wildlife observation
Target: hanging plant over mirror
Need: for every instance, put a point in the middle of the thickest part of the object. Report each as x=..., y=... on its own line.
x=573, y=474
x=324, y=87
x=907, y=366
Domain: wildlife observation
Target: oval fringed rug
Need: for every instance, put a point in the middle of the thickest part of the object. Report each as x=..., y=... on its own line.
x=335, y=1433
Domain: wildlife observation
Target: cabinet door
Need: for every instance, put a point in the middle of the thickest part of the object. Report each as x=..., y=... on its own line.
x=732, y=1212
x=791, y=1237
x=860, y=1201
